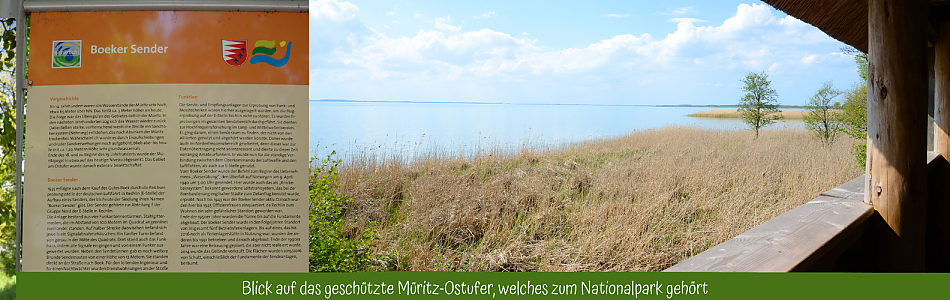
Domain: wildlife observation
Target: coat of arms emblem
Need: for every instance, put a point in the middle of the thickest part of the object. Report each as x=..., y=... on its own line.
x=234, y=52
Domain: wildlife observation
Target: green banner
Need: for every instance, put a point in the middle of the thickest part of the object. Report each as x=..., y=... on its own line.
x=399, y=285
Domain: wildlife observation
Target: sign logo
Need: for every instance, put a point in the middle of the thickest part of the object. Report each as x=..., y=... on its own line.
x=66, y=54
x=234, y=52
x=263, y=50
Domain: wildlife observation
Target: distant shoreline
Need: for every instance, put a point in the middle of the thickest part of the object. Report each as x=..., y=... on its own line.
x=556, y=104
x=735, y=114
x=721, y=105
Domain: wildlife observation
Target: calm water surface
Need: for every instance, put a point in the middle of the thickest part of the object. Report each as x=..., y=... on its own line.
x=404, y=128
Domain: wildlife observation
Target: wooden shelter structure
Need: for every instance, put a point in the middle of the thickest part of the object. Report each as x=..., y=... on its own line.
x=895, y=218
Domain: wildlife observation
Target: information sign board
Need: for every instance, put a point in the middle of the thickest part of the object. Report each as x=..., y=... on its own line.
x=167, y=141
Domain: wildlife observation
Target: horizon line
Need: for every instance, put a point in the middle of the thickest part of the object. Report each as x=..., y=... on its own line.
x=511, y=103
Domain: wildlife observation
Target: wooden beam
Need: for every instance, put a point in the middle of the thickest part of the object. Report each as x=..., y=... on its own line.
x=938, y=208
x=931, y=33
x=930, y=96
x=942, y=91
x=897, y=122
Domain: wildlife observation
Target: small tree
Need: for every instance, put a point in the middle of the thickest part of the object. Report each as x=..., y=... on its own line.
x=759, y=106
x=822, y=119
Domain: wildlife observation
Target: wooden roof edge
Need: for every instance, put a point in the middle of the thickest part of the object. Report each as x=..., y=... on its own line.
x=846, y=20
x=842, y=20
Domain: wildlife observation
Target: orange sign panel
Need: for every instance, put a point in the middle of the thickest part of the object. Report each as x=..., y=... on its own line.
x=145, y=47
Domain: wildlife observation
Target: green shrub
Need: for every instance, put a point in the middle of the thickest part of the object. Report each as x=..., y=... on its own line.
x=330, y=249
x=855, y=120
x=7, y=287
x=855, y=116
x=8, y=212
x=860, y=155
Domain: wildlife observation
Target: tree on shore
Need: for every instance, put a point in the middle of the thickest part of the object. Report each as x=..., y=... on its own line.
x=822, y=118
x=759, y=106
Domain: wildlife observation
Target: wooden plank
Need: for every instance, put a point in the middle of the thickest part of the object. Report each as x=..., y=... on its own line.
x=897, y=105
x=853, y=189
x=786, y=242
x=931, y=157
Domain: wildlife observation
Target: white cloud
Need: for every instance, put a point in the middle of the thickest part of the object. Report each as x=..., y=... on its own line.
x=753, y=39
x=393, y=12
x=680, y=11
x=443, y=24
x=331, y=10
x=616, y=15
x=334, y=26
x=692, y=20
x=487, y=14
x=395, y=22
x=809, y=59
x=774, y=67
x=418, y=15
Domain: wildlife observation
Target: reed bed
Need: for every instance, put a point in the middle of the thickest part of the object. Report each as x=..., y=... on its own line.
x=641, y=202
x=787, y=114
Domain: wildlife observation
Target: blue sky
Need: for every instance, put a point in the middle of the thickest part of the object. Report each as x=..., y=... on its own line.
x=597, y=52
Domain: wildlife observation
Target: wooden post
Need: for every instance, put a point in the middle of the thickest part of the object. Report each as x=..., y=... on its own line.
x=897, y=123
x=942, y=91
x=931, y=87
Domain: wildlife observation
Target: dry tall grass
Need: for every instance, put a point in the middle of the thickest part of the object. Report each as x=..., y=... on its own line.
x=638, y=203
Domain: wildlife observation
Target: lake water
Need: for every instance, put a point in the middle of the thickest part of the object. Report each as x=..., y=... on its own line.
x=403, y=128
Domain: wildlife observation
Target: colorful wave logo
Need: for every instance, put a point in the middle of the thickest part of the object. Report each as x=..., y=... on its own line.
x=67, y=54
x=264, y=49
